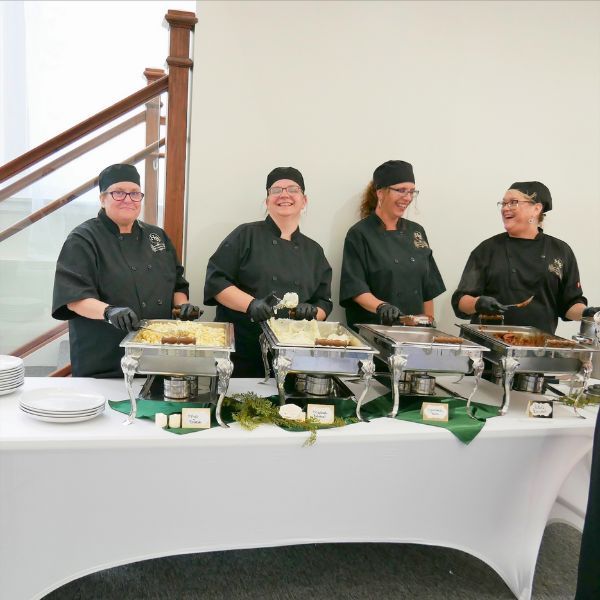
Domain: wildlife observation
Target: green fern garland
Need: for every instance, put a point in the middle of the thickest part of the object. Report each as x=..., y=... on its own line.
x=251, y=410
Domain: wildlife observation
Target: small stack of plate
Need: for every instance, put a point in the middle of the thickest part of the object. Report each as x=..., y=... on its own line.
x=12, y=374
x=61, y=405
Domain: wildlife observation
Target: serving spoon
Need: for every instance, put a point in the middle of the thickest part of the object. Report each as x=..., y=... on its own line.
x=520, y=304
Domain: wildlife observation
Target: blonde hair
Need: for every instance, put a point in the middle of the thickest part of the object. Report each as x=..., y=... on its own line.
x=532, y=197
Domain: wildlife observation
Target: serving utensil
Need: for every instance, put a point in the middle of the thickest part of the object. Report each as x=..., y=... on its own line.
x=171, y=339
x=520, y=304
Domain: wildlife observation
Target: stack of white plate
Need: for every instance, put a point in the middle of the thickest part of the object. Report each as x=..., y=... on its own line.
x=12, y=373
x=61, y=406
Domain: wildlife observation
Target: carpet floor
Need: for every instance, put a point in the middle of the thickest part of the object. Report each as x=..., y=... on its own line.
x=330, y=571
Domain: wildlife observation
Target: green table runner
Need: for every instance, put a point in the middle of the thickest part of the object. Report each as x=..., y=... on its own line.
x=264, y=410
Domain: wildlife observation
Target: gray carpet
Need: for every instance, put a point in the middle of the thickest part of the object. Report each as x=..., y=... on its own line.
x=330, y=571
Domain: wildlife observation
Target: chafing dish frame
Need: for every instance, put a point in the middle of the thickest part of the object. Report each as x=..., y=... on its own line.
x=414, y=349
x=306, y=358
x=178, y=359
x=513, y=359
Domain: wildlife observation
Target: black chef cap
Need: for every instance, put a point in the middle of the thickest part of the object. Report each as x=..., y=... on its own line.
x=391, y=172
x=116, y=173
x=542, y=193
x=285, y=173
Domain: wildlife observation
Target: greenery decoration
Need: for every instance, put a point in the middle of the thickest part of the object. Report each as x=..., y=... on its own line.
x=251, y=410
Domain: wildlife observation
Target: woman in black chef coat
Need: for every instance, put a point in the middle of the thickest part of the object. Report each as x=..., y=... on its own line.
x=522, y=262
x=259, y=260
x=114, y=270
x=388, y=269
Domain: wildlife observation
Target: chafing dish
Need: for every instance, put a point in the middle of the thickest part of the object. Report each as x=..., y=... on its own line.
x=178, y=360
x=549, y=354
x=355, y=358
x=423, y=349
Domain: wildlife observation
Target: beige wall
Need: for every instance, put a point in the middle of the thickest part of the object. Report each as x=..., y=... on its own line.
x=475, y=94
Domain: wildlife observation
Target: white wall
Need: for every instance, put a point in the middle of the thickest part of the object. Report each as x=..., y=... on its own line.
x=475, y=94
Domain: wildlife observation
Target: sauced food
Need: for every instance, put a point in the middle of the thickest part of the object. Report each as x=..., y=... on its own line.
x=539, y=340
x=181, y=332
x=289, y=331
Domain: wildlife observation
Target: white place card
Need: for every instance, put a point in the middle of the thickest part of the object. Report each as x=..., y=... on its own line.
x=323, y=413
x=195, y=418
x=541, y=409
x=434, y=411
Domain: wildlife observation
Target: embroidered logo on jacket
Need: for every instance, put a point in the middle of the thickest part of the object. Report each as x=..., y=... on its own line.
x=556, y=267
x=419, y=241
x=156, y=243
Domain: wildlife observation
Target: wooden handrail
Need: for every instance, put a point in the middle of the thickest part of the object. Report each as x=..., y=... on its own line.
x=72, y=195
x=40, y=341
x=69, y=136
x=62, y=372
x=40, y=173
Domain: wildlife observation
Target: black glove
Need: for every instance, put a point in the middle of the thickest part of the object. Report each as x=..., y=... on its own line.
x=261, y=309
x=121, y=317
x=388, y=313
x=305, y=311
x=488, y=305
x=189, y=312
x=590, y=311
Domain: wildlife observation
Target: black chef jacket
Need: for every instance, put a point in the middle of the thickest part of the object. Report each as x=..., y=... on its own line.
x=254, y=258
x=139, y=270
x=396, y=266
x=512, y=269
x=588, y=582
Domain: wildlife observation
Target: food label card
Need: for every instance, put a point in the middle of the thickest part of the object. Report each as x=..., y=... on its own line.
x=195, y=418
x=541, y=409
x=323, y=413
x=434, y=411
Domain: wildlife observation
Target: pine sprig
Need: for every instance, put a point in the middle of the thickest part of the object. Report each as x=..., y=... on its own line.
x=251, y=410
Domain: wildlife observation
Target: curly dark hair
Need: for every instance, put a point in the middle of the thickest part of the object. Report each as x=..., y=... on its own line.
x=368, y=202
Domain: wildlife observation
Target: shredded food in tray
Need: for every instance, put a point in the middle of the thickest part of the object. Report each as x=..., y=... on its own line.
x=205, y=335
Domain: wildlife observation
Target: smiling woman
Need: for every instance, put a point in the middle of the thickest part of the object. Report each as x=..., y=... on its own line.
x=260, y=261
x=521, y=263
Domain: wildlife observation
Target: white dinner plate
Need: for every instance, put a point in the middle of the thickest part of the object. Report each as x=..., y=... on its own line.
x=49, y=413
x=9, y=362
x=60, y=400
x=12, y=386
x=9, y=391
x=12, y=376
x=63, y=419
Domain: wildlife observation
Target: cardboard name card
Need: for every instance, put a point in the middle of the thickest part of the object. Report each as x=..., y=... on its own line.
x=323, y=413
x=195, y=418
x=540, y=409
x=434, y=411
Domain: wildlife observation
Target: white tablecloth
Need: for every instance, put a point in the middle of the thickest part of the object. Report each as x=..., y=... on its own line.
x=82, y=497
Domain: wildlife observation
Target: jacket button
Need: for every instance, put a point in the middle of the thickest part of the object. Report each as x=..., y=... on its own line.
x=296, y=282
x=133, y=268
x=513, y=270
x=274, y=277
x=121, y=237
x=296, y=246
x=143, y=305
x=159, y=301
x=416, y=292
x=274, y=242
x=396, y=261
x=412, y=259
x=149, y=267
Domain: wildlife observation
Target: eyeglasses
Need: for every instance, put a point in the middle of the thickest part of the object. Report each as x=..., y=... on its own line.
x=120, y=196
x=290, y=189
x=513, y=203
x=404, y=192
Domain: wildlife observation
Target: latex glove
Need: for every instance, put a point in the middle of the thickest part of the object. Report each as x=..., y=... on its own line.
x=189, y=312
x=261, y=309
x=305, y=311
x=488, y=305
x=388, y=313
x=121, y=317
x=590, y=311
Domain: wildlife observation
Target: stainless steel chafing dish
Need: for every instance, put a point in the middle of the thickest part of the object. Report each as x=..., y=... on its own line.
x=550, y=354
x=423, y=349
x=355, y=358
x=178, y=359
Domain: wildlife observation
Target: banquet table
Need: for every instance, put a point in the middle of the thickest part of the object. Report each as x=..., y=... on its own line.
x=77, y=498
